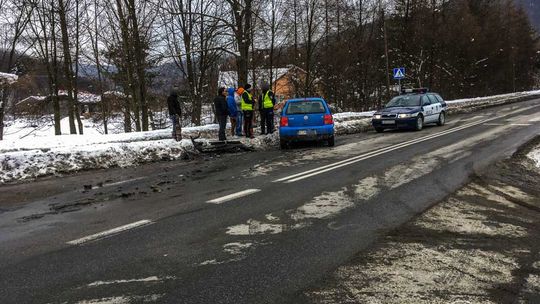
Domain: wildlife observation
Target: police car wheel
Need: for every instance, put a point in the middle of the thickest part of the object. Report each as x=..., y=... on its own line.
x=419, y=123
x=283, y=144
x=442, y=119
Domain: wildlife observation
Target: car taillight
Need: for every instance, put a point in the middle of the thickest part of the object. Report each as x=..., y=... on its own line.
x=284, y=122
x=328, y=120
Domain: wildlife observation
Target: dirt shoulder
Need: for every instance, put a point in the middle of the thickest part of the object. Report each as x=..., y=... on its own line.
x=480, y=245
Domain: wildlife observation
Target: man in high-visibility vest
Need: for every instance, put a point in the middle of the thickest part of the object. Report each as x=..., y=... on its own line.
x=246, y=104
x=267, y=101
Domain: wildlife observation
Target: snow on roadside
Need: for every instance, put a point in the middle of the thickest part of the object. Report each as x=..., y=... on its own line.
x=20, y=165
x=41, y=153
x=534, y=155
x=494, y=97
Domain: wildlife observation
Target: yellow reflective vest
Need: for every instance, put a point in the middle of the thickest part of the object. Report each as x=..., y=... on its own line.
x=244, y=105
x=267, y=101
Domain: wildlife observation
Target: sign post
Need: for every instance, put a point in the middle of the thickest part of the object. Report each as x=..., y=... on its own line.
x=399, y=73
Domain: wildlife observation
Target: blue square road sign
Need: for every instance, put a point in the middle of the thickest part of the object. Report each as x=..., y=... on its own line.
x=399, y=73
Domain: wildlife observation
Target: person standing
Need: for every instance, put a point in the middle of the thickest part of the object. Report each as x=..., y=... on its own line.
x=267, y=101
x=239, y=114
x=233, y=110
x=247, y=109
x=222, y=111
x=175, y=112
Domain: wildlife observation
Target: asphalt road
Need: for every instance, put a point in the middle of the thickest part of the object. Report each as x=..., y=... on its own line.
x=241, y=228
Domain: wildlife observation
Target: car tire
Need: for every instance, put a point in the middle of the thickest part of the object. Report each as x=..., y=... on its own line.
x=331, y=141
x=379, y=130
x=283, y=144
x=442, y=119
x=419, y=123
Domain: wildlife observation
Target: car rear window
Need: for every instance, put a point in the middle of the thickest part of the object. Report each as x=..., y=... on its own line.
x=404, y=101
x=306, y=107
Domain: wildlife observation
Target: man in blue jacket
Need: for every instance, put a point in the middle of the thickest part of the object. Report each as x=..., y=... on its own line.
x=233, y=113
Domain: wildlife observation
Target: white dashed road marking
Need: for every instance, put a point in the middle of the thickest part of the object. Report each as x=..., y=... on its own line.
x=233, y=196
x=110, y=232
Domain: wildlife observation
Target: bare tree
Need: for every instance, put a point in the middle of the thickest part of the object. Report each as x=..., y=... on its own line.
x=192, y=32
x=15, y=17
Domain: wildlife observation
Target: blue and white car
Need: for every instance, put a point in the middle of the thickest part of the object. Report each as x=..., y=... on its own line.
x=306, y=119
x=411, y=110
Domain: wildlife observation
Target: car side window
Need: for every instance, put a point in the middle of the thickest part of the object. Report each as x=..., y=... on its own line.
x=425, y=101
x=441, y=100
x=433, y=99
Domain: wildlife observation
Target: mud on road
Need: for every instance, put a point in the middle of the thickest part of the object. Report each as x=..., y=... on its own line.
x=479, y=245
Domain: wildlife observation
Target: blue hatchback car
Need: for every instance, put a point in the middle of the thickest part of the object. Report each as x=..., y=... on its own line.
x=306, y=119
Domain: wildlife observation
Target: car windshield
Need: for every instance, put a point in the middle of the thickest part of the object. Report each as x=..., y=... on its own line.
x=306, y=107
x=405, y=101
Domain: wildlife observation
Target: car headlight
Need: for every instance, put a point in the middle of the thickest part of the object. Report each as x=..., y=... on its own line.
x=404, y=116
x=377, y=116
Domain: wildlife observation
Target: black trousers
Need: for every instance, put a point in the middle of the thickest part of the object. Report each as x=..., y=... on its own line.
x=248, y=123
x=267, y=121
x=222, y=120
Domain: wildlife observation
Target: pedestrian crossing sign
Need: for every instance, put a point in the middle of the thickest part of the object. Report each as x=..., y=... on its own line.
x=399, y=73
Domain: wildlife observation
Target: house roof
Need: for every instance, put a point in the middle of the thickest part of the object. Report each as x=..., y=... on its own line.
x=82, y=96
x=8, y=79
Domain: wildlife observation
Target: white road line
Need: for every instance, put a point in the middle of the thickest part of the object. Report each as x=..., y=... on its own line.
x=520, y=124
x=537, y=119
x=390, y=148
x=143, y=280
x=233, y=196
x=352, y=160
x=110, y=232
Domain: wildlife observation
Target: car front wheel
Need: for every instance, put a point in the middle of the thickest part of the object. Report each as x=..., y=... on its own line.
x=283, y=144
x=419, y=123
x=379, y=130
x=442, y=119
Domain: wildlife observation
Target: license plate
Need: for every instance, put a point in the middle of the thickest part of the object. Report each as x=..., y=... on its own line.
x=388, y=122
x=307, y=132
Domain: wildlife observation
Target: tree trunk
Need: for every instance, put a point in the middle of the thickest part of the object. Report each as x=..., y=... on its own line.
x=129, y=70
x=140, y=68
x=68, y=71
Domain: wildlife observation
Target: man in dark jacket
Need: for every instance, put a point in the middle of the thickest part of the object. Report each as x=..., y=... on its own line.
x=222, y=111
x=247, y=108
x=267, y=101
x=175, y=112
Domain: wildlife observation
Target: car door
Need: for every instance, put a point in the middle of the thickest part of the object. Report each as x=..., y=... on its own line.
x=427, y=109
x=437, y=106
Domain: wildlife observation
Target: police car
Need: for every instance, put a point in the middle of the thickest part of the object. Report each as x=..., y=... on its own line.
x=413, y=109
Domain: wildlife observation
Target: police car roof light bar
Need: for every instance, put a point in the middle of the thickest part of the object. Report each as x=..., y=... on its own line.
x=415, y=90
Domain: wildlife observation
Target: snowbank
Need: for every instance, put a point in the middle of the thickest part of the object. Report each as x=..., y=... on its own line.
x=19, y=165
x=30, y=152
x=471, y=104
x=534, y=155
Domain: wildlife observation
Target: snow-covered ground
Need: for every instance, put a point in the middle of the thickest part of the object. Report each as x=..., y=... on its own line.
x=30, y=149
x=535, y=156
